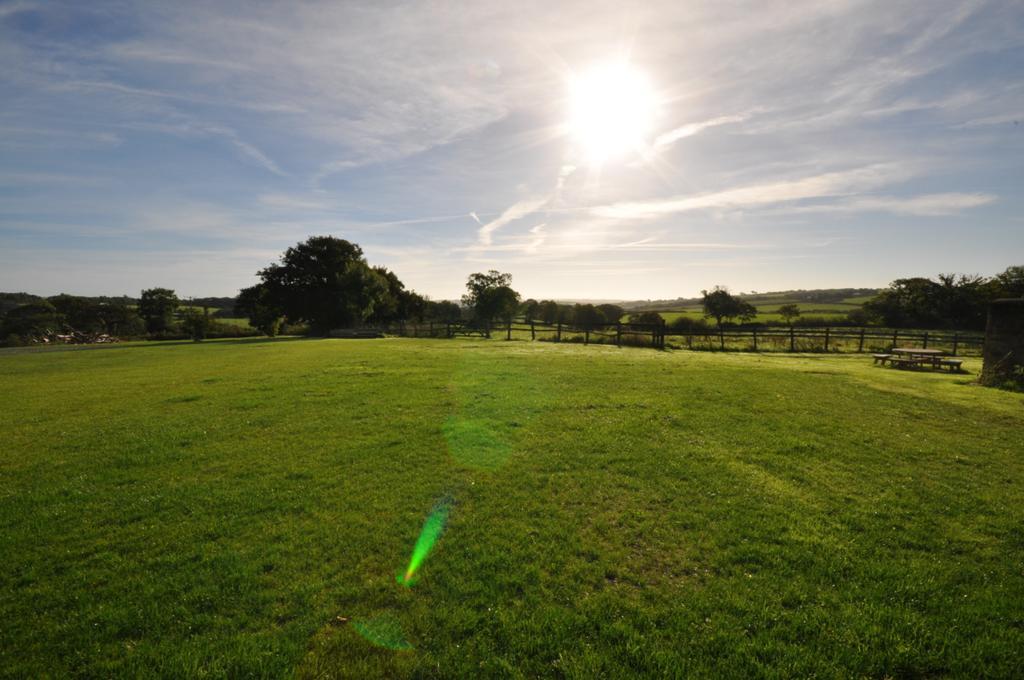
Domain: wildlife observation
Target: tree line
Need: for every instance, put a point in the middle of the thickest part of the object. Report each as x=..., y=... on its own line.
x=326, y=283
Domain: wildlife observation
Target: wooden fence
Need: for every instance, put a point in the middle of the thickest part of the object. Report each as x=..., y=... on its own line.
x=660, y=336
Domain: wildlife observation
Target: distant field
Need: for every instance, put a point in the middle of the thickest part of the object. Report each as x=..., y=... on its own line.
x=234, y=321
x=241, y=508
x=767, y=308
x=761, y=317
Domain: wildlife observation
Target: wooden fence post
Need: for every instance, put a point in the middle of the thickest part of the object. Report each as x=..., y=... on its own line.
x=827, y=329
x=755, y=339
x=860, y=344
x=721, y=338
x=792, y=340
x=558, y=334
x=508, y=330
x=586, y=335
x=925, y=340
x=618, y=333
x=689, y=340
x=533, y=331
x=956, y=341
x=895, y=335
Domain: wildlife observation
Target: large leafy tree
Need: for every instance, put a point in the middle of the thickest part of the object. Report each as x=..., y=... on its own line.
x=156, y=307
x=443, y=310
x=32, y=319
x=490, y=296
x=1010, y=283
x=548, y=312
x=612, y=313
x=951, y=302
x=720, y=305
x=325, y=282
x=398, y=303
x=529, y=309
x=97, y=315
x=586, y=316
x=255, y=303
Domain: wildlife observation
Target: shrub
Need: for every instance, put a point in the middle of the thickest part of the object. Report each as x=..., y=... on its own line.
x=688, y=323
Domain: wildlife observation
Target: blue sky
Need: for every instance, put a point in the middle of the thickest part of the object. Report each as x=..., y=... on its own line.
x=784, y=145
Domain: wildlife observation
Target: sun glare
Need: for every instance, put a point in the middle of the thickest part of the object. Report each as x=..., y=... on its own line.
x=611, y=110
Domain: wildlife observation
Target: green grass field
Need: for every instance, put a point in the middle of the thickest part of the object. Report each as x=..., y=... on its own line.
x=233, y=320
x=241, y=508
x=767, y=308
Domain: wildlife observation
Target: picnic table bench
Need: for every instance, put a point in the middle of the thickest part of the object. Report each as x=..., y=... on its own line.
x=356, y=333
x=915, y=357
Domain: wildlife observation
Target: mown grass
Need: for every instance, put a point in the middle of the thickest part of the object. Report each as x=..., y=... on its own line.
x=182, y=510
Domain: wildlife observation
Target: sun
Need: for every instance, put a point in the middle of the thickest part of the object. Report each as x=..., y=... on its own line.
x=611, y=111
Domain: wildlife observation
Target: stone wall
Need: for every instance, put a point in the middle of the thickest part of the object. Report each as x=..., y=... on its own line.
x=1004, y=343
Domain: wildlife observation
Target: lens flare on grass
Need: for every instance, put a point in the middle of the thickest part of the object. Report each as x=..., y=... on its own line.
x=383, y=631
x=432, y=530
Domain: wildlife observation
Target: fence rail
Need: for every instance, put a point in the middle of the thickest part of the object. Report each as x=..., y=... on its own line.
x=660, y=336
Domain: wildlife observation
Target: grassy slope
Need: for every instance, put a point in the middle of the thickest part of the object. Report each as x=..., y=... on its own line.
x=767, y=308
x=184, y=509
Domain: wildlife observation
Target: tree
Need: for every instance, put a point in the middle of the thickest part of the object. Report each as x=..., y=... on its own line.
x=529, y=309
x=611, y=313
x=586, y=316
x=35, y=318
x=399, y=304
x=646, y=318
x=1010, y=283
x=548, y=312
x=81, y=314
x=443, y=310
x=254, y=302
x=954, y=301
x=789, y=313
x=325, y=282
x=719, y=304
x=490, y=296
x=962, y=301
x=156, y=307
x=196, y=323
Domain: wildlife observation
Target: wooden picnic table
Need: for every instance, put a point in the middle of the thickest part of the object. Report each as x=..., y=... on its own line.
x=917, y=356
x=910, y=356
x=917, y=351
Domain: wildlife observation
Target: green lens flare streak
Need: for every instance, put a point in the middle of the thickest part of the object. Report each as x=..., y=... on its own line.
x=432, y=530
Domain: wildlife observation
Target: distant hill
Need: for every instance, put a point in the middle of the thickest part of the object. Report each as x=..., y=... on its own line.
x=9, y=301
x=851, y=297
x=219, y=306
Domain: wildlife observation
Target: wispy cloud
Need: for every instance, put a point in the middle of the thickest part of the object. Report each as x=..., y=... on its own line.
x=390, y=123
x=189, y=126
x=667, y=139
x=514, y=212
x=822, y=185
x=927, y=205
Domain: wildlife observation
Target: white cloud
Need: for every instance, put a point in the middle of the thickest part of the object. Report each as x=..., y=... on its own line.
x=818, y=186
x=514, y=212
x=927, y=205
x=667, y=139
